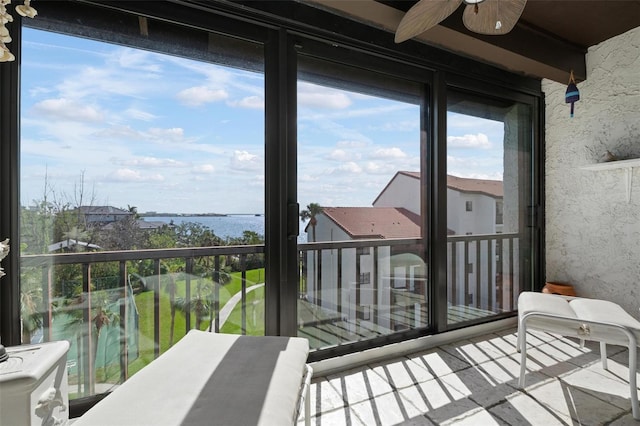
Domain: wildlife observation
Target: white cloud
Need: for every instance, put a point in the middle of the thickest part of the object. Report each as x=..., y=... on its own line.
x=128, y=175
x=351, y=144
x=136, y=59
x=399, y=126
x=175, y=134
x=243, y=160
x=308, y=178
x=99, y=82
x=388, y=153
x=39, y=90
x=155, y=135
x=66, y=109
x=139, y=114
x=341, y=132
x=342, y=155
x=200, y=95
x=152, y=162
x=324, y=100
x=381, y=111
x=469, y=141
x=349, y=167
x=119, y=132
x=250, y=102
x=377, y=168
x=311, y=95
x=205, y=169
x=475, y=167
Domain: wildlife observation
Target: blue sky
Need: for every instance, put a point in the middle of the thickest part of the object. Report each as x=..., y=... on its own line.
x=174, y=135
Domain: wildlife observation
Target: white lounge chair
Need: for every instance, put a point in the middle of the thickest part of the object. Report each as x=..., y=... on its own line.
x=585, y=319
x=214, y=379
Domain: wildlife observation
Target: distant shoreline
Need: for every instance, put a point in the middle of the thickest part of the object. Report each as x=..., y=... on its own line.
x=156, y=214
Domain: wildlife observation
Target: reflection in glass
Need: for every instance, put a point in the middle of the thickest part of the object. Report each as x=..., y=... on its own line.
x=363, y=273
x=142, y=189
x=488, y=185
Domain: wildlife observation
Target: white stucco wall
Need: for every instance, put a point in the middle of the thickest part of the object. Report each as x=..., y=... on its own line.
x=480, y=220
x=592, y=232
x=403, y=191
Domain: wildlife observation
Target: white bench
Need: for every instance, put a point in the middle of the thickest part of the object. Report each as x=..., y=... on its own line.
x=585, y=319
x=214, y=379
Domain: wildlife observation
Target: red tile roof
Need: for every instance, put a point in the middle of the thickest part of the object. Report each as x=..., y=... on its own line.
x=375, y=222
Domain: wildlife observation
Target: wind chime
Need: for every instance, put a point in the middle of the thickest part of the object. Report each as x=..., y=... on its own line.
x=23, y=10
x=572, y=95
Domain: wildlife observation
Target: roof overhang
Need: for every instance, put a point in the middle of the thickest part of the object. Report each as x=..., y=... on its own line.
x=550, y=39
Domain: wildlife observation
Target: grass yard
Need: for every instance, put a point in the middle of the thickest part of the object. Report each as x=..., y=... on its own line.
x=145, y=305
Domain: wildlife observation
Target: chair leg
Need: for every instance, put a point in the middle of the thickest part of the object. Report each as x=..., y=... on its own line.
x=522, y=343
x=518, y=341
x=307, y=400
x=632, y=381
x=603, y=355
x=307, y=409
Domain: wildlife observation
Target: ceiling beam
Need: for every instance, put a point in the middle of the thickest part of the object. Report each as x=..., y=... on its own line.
x=525, y=50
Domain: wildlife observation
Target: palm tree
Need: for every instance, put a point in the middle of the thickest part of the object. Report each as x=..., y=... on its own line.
x=30, y=314
x=102, y=318
x=170, y=287
x=313, y=209
x=134, y=211
x=199, y=304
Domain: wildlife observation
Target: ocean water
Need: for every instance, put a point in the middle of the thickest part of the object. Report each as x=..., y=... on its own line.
x=231, y=226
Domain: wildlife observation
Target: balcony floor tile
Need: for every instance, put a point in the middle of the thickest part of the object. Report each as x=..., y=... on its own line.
x=475, y=382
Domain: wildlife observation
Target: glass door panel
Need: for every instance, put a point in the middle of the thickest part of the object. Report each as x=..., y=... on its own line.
x=142, y=186
x=362, y=259
x=488, y=194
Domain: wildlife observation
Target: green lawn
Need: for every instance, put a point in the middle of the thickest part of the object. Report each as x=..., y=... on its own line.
x=145, y=304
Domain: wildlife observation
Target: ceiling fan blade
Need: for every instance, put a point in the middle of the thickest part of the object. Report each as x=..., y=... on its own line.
x=424, y=15
x=493, y=17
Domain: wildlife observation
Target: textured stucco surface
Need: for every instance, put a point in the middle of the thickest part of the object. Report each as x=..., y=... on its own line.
x=592, y=232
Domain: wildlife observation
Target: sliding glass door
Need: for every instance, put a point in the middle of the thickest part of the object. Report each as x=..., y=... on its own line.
x=142, y=192
x=166, y=154
x=364, y=265
x=489, y=194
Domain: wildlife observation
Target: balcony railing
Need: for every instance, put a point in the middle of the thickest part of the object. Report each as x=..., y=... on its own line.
x=358, y=290
x=349, y=291
x=88, y=310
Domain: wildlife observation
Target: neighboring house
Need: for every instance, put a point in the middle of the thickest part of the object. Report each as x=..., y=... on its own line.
x=474, y=208
x=103, y=214
x=352, y=223
x=142, y=224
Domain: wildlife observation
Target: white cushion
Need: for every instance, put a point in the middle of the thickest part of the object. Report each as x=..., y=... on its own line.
x=544, y=303
x=213, y=379
x=603, y=311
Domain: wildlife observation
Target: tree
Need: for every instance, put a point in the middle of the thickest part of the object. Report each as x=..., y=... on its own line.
x=102, y=317
x=167, y=271
x=200, y=304
x=313, y=209
x=30, y=313
x=125, y=234
x=55, y=217
x=134, y=211
x=251, y=261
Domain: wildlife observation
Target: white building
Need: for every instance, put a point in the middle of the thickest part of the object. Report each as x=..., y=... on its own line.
x=386, y=284
x=474, y=206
